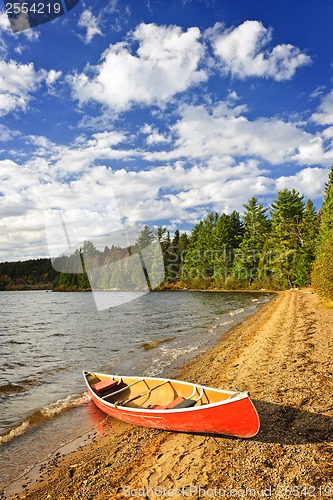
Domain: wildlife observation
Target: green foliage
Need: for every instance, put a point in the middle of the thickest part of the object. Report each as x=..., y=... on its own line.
x=309, y=230
x=326, y=213
x=285, y=239
x=25, y=275
x=250, y=255
x=322, y=276
x=211, y=246
x=145, y=238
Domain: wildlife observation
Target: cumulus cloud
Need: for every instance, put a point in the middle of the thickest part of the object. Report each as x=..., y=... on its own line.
x=51, y=77
x=6, y=134
x=17, y=82
x=64, y=161
x=165, y=64
x=91, y=24
x=243, y=52
x=324, y=115
x=4, y=29
x=224, y=130
x=167, y=191
x=309, y=181
x=153, y=135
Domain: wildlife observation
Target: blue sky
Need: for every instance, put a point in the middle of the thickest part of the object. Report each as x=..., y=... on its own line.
x=160, y=112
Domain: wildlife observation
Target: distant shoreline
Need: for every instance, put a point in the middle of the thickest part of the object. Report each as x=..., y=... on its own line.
x=167, y=289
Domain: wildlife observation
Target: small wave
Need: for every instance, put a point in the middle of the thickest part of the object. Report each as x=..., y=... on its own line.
x=11, y=366
x=18, y=342
x=62, y=405
x=236, y=311
x=19, y=386
x=46, y=413
x=159, y=364
x=13, y=433
x=226, y=322
x=156, y=343
x=7, y=389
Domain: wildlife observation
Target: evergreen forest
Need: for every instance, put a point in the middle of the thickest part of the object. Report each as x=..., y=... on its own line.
x=287, y=245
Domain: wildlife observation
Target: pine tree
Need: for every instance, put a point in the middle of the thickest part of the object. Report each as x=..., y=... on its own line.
x=221, y=239
x=285, y=242
x=322, y=276
x=183, y=244
x=326, y=212
x=199, y=260
x=165, y=243
x=174, y=259
x=250, y=253
x=142, y=246
x=145, y=238
x=307, y=252
x=236, y=231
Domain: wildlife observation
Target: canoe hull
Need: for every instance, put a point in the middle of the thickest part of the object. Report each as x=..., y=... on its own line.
x=237, y=417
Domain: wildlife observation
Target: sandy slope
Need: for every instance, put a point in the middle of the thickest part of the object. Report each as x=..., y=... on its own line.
x=283, y=356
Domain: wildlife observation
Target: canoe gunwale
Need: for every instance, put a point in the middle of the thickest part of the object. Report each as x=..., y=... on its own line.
x=233, y=398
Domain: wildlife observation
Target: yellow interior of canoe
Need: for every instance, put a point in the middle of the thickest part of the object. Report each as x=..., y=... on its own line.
x=146, y=393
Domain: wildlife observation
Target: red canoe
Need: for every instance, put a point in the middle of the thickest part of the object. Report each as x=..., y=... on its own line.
x=173, y=405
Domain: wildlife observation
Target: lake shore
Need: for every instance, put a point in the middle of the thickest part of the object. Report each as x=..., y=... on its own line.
x=282, y=355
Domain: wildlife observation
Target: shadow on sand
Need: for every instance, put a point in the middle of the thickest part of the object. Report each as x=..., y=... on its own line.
x=288, y=425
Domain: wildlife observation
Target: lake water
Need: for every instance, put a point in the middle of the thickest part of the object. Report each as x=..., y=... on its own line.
x=47, y=339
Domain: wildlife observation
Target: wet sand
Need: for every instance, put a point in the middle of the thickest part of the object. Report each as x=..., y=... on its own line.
x=282, y=355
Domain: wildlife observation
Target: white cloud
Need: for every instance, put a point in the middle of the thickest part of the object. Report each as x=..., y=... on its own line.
x=314, y=151
x=91, y=24
x=318, y=91
x=64, y=161
x=15, y=178
x=227, y=131
x=153, y=135
x=309, y=181
x=243, y=52
x=51, y=77
x=17, y=82
x=165, y=64
x=324, y=116
x=4, y=23
x=4, y=30
x=6, y=33
x=6, y=134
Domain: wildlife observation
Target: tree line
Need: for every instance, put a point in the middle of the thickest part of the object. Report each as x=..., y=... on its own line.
x=25, y=275
x=286, y=245
x=256, y=250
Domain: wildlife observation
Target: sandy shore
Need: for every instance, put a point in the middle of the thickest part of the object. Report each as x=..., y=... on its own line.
x=283, y=355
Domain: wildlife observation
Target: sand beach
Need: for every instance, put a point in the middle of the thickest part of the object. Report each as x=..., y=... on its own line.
x=282, y=355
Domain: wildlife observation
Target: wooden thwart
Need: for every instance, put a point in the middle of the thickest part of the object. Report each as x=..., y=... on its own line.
x=138, y=396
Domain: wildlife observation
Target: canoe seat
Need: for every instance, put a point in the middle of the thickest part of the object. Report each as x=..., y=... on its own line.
x=187, y=403
x=179, y=402
x=104, y=385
